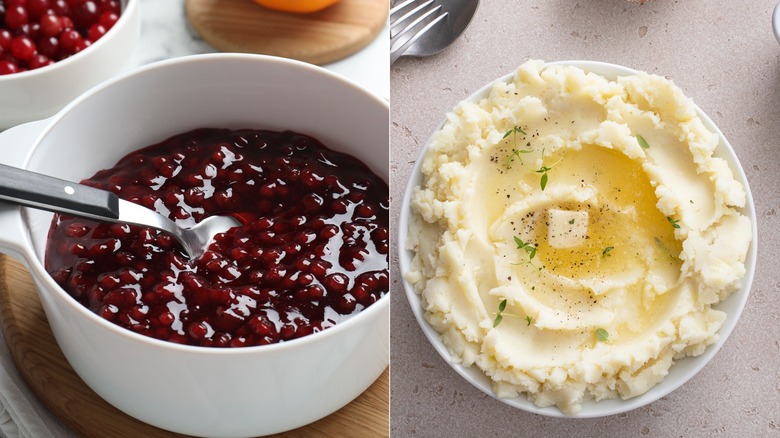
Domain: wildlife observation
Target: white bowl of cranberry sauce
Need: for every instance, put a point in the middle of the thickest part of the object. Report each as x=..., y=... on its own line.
x=218, y=122
x=53, y=50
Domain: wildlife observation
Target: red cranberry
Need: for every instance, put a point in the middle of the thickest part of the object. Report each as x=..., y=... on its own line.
x=16, y=3
x=48, y=46
x=336, y=282
x=51, y=25
x=38, y=8
x=61, y=8
x=67, y=23
x=198, y=330
x=85, y=13
x=7, y=67
x=27, y=29
x=23, y=48
x=39, y=61
x=81, y=45
x=69, y=39
x=110, y=6
x=15, y=17
x=5, y=39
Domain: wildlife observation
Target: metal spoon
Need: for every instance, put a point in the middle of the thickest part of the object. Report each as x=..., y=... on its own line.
x=459, y=15
x=44, y=192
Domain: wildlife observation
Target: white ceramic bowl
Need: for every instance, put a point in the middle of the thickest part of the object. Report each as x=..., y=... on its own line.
x=776, y=21
x=680, y=372
x=39, y=93
x=196, y=390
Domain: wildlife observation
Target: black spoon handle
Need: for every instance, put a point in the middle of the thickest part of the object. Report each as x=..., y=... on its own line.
x=44, y=192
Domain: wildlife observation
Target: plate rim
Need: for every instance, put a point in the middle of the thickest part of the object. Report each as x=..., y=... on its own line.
x=477, y=378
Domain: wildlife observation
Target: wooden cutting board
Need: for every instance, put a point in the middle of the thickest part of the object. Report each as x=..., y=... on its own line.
x=318, y=38
x=48, y=374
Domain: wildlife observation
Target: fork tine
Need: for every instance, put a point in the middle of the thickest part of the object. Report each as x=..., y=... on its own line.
x=397, y=48
x=398, y=8
x=404, y=27
x=408, y=15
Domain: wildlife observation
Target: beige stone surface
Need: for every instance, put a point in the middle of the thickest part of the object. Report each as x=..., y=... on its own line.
x=722, y=53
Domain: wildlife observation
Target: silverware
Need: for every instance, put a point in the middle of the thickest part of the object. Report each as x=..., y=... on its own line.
x=409, y=21
x=426, y=27
x=44, y=192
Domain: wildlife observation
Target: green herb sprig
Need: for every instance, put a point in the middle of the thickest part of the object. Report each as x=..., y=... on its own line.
x=514, y=131
x=516, y=153
x=674, y=222
x=543, y=170
x=530, y=249
x=663, y=247
x=602, y=335
x=607, y=250
x=500, y=315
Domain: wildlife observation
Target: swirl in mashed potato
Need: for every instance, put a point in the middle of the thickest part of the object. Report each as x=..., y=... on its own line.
x=585, y=204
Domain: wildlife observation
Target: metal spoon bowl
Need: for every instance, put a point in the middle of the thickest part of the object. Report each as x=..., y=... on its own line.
x=35, y=190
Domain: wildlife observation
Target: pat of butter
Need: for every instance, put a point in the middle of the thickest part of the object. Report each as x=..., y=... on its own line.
x=566, y=228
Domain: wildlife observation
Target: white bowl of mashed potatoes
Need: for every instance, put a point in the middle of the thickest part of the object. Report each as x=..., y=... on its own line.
x=577, y=239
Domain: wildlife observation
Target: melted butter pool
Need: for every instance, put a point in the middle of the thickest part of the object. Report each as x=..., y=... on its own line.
x=622, y=227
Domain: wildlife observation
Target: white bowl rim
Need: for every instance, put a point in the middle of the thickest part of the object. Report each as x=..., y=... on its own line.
x=605, y=407
x=381, y=305
x=776, y=21
x=129, y=10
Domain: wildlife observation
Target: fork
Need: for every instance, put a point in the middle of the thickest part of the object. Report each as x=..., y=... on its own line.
x=410, y=20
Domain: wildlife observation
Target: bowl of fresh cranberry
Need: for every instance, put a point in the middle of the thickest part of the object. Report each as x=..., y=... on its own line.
x=285, y=318
x=53, y=50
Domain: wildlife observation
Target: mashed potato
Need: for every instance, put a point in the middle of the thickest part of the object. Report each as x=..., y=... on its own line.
x=572, y=233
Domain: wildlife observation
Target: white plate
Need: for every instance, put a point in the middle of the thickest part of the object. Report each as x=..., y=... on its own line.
x=776, y=21
x=682, y=370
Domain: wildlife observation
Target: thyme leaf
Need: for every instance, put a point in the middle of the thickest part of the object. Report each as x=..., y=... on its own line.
x=514, y=131
x=642, y=142
x=529, y=248
x=500, y=314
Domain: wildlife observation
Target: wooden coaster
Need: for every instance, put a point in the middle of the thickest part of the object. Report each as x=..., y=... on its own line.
x=318, y=38
x=50, y=377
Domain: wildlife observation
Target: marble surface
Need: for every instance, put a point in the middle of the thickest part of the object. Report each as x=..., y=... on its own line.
x=722, y=54
x=165, y=33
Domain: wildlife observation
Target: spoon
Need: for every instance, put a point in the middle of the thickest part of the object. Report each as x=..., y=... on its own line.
x=459, y=15
x=44, y=192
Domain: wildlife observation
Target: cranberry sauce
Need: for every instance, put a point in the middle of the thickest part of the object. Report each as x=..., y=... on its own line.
x=312, y=248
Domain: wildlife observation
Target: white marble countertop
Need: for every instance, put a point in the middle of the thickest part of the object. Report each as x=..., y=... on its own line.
x=165, y=33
